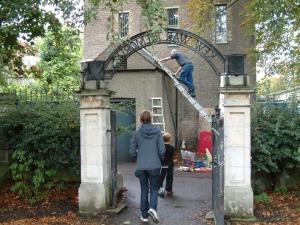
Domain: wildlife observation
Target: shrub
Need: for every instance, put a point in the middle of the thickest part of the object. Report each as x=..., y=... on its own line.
x=45, y=138
x=263, y=197
x=281, y=189
x=275, y=142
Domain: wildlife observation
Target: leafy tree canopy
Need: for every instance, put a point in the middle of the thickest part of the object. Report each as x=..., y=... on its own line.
x=30, y=19
x=23, y=21
x=60, y=54
x=272, y=84
x=277, y=32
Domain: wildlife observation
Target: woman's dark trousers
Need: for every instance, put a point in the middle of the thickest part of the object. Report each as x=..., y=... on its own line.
x=148, y=178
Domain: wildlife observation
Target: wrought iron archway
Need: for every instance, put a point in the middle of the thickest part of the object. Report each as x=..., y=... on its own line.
x=179, y=37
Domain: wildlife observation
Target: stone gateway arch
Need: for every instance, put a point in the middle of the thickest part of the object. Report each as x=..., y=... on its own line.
x=96, y=185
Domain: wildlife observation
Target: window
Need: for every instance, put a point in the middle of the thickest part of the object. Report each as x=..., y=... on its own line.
x=172, y=14
x=221, y=23
x=124, y=24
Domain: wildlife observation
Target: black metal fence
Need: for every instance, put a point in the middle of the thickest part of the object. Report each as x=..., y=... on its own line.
x=218, y=168
x=43, y=95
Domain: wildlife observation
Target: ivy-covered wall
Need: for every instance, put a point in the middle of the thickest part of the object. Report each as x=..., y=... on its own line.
x=275, y=146
x=45, y=140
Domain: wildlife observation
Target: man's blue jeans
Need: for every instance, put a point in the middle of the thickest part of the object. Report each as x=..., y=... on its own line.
x=148, y=178
x=186, y=76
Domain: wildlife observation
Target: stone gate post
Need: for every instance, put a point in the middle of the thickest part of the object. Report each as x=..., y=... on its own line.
x=95, y=138
x=238, y=194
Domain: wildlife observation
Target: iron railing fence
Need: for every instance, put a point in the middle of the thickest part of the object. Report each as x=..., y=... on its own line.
x=35, y=95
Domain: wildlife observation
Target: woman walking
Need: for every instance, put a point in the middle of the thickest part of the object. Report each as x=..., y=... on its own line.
x=147, y=146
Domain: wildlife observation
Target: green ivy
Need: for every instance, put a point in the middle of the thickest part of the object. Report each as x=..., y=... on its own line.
x=281, y=189
x=45, y=139
x=263, y=197
x=275, y=141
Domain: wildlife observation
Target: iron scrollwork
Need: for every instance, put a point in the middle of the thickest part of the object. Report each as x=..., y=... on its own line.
x=170, y=36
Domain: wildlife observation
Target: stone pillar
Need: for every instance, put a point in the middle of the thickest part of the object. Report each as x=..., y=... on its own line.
x=238, y=194
x=95, y=148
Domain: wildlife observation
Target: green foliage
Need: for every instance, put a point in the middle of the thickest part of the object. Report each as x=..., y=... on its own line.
x=3, y=78
x=12, y=66
x=277, y=35
x=263, y=197
x=22, y=21
x=60, y=54
x=200, y=11
x=264, y=86
x=58, y=68
x=270, y=84
x=154, y=14
x=30, y=19
x=281, y=189
x=30, y=176
x=275, y=140
x=45, y=139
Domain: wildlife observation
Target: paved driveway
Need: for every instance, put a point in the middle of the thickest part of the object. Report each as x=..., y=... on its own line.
x=191, y=199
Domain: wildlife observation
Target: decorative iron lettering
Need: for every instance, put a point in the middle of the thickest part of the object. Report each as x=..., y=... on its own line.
x=170, y=36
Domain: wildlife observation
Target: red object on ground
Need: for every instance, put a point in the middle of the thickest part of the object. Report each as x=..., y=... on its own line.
x=204, y=141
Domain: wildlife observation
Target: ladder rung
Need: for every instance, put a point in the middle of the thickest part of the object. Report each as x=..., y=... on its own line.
x=157, y=123
x=148, y=55
x=156, y=98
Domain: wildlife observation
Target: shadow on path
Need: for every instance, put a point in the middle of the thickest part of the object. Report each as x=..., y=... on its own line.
x=191, y=199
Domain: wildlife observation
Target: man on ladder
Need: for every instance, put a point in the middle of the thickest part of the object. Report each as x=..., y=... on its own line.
x=186, y=70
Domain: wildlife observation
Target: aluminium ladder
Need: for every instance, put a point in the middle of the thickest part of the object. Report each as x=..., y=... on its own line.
x=158, y=113
x=154, y=60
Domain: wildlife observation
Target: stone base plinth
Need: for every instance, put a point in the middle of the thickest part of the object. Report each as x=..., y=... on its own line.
x=232, y=81
x=94, y=197
x=238, y=201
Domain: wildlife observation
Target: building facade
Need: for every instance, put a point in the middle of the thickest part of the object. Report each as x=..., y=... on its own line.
x=141, y=81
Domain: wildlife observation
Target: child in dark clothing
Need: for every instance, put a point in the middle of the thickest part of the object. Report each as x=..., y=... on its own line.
x=167, y=168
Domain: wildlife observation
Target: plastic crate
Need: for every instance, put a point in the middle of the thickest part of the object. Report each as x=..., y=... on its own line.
x=190, y=163
x=199, y=164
